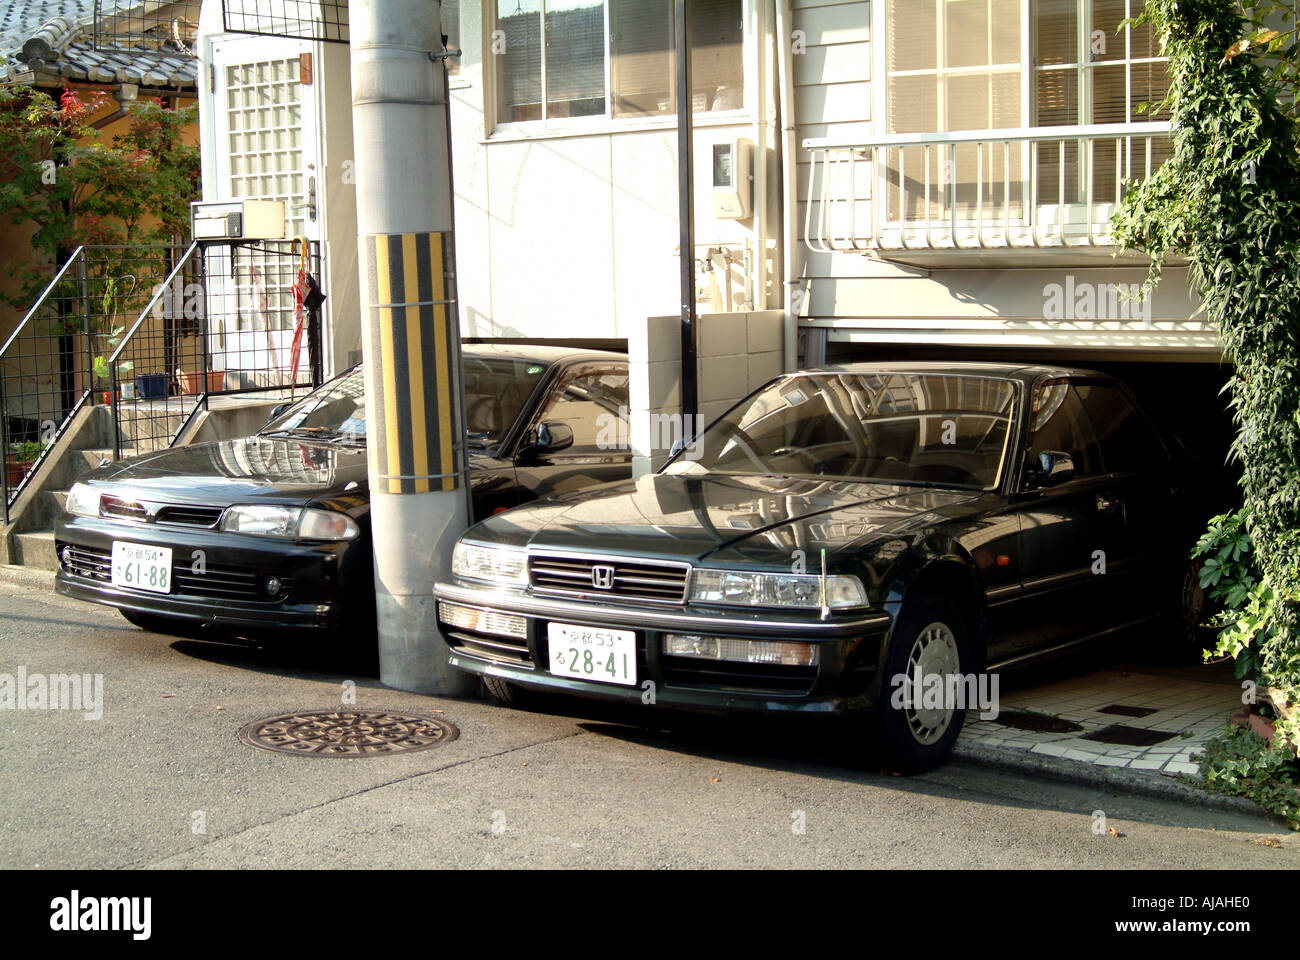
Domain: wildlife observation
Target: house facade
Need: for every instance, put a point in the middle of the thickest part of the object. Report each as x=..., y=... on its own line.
x=926, y=178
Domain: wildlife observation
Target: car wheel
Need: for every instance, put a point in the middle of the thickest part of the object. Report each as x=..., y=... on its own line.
x=929, y=638
x=504, y=692
x=1185, y=635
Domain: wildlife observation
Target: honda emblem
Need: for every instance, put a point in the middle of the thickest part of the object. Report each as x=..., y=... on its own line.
x=602, y=577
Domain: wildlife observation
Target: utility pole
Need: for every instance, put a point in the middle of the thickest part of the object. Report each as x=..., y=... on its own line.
x=410, y=333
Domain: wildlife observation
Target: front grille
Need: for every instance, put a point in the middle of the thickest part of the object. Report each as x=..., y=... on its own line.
x=183, y=514
x=215, y=583
x=89, y=564
x=574, y=575
x=502, y=649
x=190, y=516
x=759, y=678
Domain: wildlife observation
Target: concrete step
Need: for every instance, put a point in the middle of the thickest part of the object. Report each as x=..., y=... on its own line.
x=36, y=549
x=59, y=498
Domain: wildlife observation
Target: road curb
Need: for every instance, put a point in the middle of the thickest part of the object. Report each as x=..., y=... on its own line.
x=1095, y=775
x=26, y=576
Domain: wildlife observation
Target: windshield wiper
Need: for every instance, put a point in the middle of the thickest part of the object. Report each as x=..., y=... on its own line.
x=328, y=434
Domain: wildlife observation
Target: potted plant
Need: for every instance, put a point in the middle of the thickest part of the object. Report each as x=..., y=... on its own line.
x=101, y=371
x=22, y=454
x=191, y=383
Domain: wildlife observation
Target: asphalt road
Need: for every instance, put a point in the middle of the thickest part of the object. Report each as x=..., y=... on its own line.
x=573, y=785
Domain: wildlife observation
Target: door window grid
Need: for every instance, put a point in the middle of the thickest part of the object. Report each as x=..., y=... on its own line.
x=266, y=161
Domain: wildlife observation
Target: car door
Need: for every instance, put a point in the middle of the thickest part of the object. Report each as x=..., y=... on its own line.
x=591, y=400
x=1069, y=530
x=1150, y=550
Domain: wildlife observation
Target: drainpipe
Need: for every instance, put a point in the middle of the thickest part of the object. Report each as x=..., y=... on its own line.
x=791, y=258
x=410, y=338
x=758, y=296
x=686, y=218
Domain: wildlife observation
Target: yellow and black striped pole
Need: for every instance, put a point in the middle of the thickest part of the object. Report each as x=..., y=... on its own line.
x=408, y=278
x=419, y=497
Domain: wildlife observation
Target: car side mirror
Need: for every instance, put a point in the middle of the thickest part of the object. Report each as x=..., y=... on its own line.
x=551, y=436
x=278, y=409
x=1053, y=467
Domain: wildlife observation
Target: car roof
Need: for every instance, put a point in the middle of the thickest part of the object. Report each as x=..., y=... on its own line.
x=1027, y=373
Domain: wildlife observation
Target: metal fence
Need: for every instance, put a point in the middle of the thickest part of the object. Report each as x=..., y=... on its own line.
x=152, y=333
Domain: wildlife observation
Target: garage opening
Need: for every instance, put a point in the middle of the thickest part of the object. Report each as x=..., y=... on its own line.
x=1184, y=397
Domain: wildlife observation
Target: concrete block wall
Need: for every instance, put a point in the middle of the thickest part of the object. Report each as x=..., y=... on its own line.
x=737, y=353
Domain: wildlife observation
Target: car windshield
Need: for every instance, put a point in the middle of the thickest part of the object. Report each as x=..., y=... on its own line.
x=496, y=389
x=928, y=429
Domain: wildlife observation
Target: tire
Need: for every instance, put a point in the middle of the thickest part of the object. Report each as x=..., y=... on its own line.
x=505, y=693
x=931, y=634
x=1183, y=635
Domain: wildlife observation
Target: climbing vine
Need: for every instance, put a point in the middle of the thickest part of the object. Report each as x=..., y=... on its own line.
x=1228, y=200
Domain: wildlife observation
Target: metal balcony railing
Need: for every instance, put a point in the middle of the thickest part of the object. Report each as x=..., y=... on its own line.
x=1028, y=188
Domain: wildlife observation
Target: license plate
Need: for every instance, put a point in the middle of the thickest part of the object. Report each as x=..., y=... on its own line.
x=591, y=653
x=142, y=567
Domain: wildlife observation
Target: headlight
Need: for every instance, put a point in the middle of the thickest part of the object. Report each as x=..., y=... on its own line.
x=326, y=525
x=507, y=565
x=289, y=523
x=83, y=501
x=775, y=589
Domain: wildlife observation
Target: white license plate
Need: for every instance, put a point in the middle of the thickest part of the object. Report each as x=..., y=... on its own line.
x=142, y=567
x=592, y=653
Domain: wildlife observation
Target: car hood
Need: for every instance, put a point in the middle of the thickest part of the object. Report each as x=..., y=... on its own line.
x=695, y=518
x=249, y=469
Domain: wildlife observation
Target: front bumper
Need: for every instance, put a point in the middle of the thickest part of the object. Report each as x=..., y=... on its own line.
x=225, y=587
x=844, y=679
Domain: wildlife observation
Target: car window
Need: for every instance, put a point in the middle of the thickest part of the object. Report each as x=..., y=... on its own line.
x=336, y=410
x=921, y=428
x=496, y=389
x=593, y=402
x=1058, y=423
x=1127, y=440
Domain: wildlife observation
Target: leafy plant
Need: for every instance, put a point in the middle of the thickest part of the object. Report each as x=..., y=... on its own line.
x=1238, y=763
x=26, y=451
x=100, y=366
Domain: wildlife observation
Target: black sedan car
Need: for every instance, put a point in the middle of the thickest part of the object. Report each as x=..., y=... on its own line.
x=835, y=543
x=272, y=530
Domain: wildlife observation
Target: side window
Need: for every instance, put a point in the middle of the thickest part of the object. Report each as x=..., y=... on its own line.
x=593, y=402
x=1127, y=441
x=1059, y=423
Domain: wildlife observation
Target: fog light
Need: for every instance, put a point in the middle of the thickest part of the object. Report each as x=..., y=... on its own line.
x=482, y=621
x=272, y=586
x=65, y=556
x=786, y=653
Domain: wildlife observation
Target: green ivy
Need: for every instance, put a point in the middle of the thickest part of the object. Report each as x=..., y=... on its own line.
x=1238, y=763
x=1228, y=199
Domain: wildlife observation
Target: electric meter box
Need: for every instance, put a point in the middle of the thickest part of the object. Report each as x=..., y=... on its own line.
x=733, y=180
x=237, y=220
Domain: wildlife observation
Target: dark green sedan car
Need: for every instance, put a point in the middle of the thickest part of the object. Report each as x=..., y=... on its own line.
x=879, y=538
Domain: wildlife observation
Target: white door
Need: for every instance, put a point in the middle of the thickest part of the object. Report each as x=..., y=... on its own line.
x=268, y=147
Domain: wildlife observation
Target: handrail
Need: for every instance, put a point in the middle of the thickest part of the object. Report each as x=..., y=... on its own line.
x=41, y=299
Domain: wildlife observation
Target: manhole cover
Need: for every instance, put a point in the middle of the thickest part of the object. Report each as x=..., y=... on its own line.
x=1036, y=722
x=347, y=733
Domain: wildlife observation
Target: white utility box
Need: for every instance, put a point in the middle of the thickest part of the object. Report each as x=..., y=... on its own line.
x=237, y=220
x=733, y=180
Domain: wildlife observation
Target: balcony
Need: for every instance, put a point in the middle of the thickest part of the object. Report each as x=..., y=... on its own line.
x=1037, y=195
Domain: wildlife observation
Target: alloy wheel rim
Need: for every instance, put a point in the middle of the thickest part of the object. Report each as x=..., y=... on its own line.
x=933, y=653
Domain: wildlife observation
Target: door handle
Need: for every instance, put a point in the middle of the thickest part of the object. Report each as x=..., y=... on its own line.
x=1107, y=503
